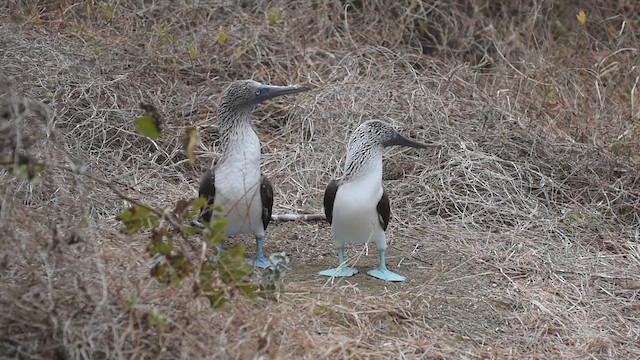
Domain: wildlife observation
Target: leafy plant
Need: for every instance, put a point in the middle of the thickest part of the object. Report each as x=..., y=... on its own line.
x=164, y=36
x=191, y=50
x=273, y=16
x=189, y=141
x=107, y=11
x=222, y=37
x=149, y=125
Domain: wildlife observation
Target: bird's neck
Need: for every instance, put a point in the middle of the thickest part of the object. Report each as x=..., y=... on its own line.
x=238, y=139
x=363, y=162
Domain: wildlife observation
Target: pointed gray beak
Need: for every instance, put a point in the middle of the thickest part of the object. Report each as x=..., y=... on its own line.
x=266, y=92
x=402, y=140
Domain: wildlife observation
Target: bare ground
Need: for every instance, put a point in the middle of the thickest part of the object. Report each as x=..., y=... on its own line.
x=518, y=232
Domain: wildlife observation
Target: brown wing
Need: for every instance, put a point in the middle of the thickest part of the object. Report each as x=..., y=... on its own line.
x=329, y=199
x=208, y=190
x=384, y=210
x=266, y=195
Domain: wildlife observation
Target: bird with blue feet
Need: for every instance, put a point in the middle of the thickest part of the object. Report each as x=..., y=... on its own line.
x=236, y=184
x=356, y=205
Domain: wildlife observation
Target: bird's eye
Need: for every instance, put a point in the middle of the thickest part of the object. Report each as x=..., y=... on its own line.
x=258, y=92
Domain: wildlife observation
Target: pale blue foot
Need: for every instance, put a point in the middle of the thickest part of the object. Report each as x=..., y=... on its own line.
x=386, y=275
x=260, y=260
x=341, y=270
x=382, y=273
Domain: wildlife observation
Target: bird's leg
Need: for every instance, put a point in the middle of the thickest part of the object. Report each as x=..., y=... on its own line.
x=216, y=257
x=342, y=270
x=260, y=260
x=382, y=273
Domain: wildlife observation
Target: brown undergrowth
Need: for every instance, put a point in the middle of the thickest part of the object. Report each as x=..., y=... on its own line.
x=518, y=229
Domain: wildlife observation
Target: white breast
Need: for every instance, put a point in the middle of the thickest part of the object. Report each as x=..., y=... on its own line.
x=237, y=183
x=355, y=217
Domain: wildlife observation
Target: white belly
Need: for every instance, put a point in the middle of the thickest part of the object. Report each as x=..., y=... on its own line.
x=355, y=217
x=237, y=184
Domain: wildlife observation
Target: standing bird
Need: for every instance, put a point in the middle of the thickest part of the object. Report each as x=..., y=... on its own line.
x=357, y=206
x=236, y=183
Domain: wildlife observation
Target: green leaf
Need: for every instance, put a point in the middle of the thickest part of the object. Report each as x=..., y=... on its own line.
x=241, y=51
x=214, y=231
x=196, y=206
x=274, y=15
x=216, y=296
x=222, y=37
x=135, y=218
x=30, y=171
x=247, y=290
x=189, y=231
x=155, y=320
x=107, y=10
x=161, y=242
x=191, y=49
x=217, y=299
x=131, y=302
x=147, y=127
x=180, y=267
x=189, y=142
x=165, y=38
x=616, y=147
x=232, y=267
x=582, y=17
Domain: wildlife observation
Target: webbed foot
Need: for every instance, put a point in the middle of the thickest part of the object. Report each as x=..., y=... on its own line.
x=259, y=262
x=386, y=275
x=339, y=272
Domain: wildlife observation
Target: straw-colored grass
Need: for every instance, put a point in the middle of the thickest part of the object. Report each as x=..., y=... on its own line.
x=518, y=230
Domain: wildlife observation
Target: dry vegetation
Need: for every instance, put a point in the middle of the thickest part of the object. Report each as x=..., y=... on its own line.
x=520, y=232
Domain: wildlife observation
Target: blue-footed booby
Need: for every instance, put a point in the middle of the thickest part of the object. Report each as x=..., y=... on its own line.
x=356, y=205
x=236, y=183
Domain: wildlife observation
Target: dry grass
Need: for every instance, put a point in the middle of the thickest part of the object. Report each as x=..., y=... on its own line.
x=518, y=231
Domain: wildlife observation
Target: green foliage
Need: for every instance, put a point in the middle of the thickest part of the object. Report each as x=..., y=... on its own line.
x=130, y=303
x=24, y=167
x=582, y=17
x=191, y=50
x=230, y=270
x=189, y=141
x=155, y=320
x=107, y=11
x=213, y=233
x=148, y=127
x=222, y=37
x=215, y=294
x=135, y=218
x=218, y=281
x=616, y=147
x=164, y=36
x=273, y=16
x=196, y=206
x=172, y=266
x=241, y=51
x=233, y=269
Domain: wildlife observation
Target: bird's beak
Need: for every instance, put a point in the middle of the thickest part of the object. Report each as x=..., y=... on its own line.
x=270, y=91
x=402, y=140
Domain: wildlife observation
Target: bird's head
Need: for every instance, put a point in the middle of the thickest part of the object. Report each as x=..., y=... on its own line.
x=245, y=94
x=384, y=134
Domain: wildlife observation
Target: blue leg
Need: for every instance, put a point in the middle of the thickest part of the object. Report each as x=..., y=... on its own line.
x=341, y=270
x=214, y=258
x=382, y=273
x=259, y=261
